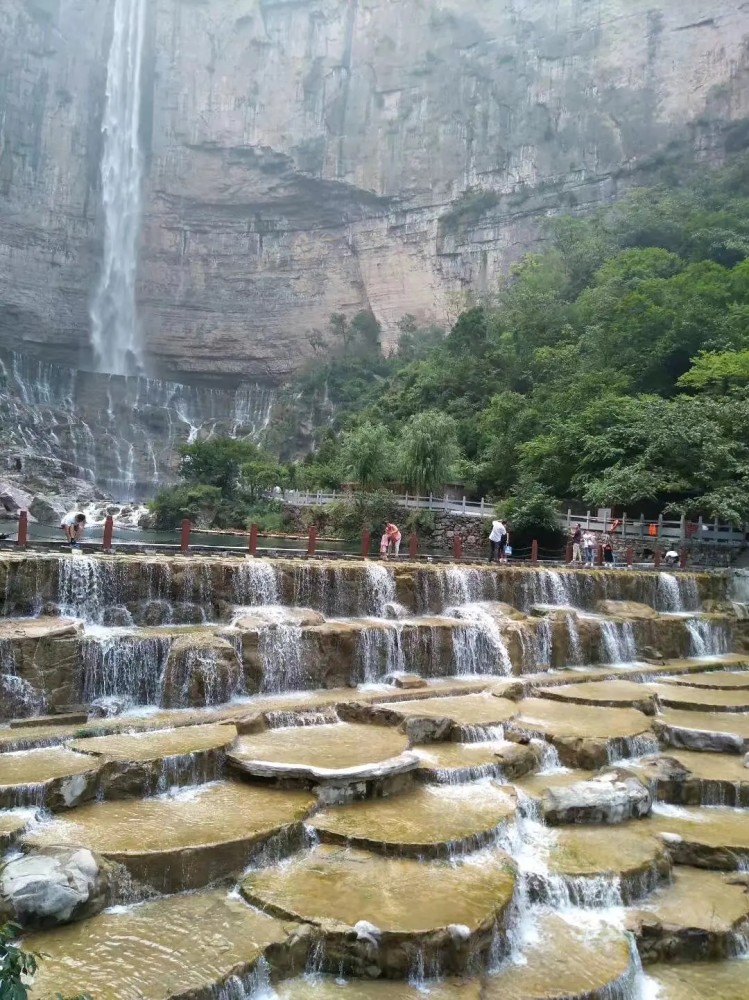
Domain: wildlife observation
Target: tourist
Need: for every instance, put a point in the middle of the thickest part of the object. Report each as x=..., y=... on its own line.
x=392, y=539
x=672, y=557
x=577, y=545
x=608, y=551
x=589, y=545
x=497, y=541
x=73, y=524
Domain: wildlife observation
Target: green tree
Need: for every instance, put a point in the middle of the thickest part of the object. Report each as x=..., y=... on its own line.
x=713, y=370
x=216, y=462
x=428, y=450
x=366, y=455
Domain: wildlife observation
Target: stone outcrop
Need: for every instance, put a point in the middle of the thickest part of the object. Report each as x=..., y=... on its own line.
x=291, y=153
x=54, y=885
x=611, y=797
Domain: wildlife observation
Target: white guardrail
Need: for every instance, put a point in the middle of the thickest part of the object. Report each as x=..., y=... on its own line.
x=710, y=532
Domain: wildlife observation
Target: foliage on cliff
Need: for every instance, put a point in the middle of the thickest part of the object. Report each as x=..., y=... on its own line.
x=225, y=485
x=612, y=367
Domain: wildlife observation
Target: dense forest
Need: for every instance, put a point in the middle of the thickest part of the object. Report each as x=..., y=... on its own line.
x=611, y=368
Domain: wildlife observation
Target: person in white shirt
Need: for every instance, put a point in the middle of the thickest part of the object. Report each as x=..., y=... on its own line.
x=73, y=524
x=589, y=545
x=497, y=541
x=672, y=557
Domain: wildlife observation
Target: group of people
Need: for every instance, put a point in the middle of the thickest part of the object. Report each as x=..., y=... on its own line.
x=584, y=547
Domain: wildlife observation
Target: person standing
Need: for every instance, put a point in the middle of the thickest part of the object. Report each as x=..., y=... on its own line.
x=608, y=551
x=392, y=539
x=497, y=541
x=589, y=545
x=72, y=525
x=577, y=545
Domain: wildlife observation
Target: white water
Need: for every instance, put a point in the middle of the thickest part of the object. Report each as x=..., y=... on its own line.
x=380, y=591
x=706, y=638
x=676, y=594
x=479, y=648
x=114, y=325
x=618, y=643
x=254, y=583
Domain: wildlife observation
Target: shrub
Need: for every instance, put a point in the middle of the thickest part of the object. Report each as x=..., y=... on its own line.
x=532, y=513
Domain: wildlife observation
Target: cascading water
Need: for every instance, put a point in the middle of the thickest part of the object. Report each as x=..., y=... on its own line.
x=117, y=663
x=17, y=697
x=114, y=326
x=379, y=597
x=254, y=582
x=676, y=594
x=282, y=658
x=707, y=638
x=380, y=652
x=618, y=643
x=479, y=647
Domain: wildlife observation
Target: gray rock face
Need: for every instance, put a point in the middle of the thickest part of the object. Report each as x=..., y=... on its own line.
x=611, y=797
x=55, y=885
x=326, y=154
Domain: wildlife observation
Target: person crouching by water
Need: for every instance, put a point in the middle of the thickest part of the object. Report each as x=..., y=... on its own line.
x=73, y=524
x=391, y=539
x=498, y=541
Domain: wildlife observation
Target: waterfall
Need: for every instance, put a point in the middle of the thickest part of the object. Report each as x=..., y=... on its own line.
x=380, y=652
x=125, y=665
x=574, y=646
x=79, y=587
x=379, y=594
x=464, y=586
x=254, y=583
x=17, y=697
x=706, y=638
x=618, y=644
x=676, y=594
x=479, y=647
x=114, y=326
x=282, y=658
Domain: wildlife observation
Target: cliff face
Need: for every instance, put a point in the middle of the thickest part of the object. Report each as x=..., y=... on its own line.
x=310, y=156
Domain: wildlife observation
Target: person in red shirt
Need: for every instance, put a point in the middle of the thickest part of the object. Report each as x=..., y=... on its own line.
x=391, y=539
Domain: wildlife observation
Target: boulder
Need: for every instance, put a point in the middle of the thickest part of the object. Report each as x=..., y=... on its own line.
x=613, y=796
x=109, y=706
x=626, y=609
x=54, y=885
x=407, y=682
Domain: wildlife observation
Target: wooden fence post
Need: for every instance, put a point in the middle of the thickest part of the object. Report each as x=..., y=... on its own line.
x=184, y=540
x=108, y=532
x=312, y=540
x=568, y=552
x=683, y=557
x=534, y=551
x=252, y=547
x=599, y=555
x=23, y=529
x=413, y=545
x=657, y=556
x=630, y=556
x=366, y=541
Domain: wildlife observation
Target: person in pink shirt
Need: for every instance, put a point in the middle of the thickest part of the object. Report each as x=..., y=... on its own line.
x=390, y=539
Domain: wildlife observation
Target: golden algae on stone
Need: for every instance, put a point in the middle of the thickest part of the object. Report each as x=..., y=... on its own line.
x=401, y=911
x=182, y=946
x=426, y=821
x=565, y=963
x=696, y=916
x=185, y=838
x=156, y=744
x=710, y=837
x=333, y=747
x=701, y=980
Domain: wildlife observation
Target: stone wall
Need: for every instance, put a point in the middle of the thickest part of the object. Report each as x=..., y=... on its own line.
x=319, y=155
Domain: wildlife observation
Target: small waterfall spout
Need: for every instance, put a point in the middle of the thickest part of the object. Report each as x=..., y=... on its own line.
x=706, y=638
x=479, y=648
x=677, y=594
x=114, y=327
x=618, y=643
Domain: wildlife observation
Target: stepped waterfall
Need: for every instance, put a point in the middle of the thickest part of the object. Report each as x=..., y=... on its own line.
x=523, y=777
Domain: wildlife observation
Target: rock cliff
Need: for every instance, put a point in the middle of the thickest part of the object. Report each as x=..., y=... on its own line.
x=306, y=156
